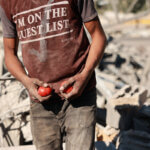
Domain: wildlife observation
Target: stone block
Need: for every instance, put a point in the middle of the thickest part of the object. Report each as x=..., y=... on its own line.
x=9, y=133
x=122, y=106
x=106, y=134
x=104, y=146
x=119, y=119
x=129, y=96
x=134, y=140
x=141, y=124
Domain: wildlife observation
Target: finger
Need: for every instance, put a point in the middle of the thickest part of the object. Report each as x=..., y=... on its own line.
x=45, y=98
x=67, y=83
x=37, y=82
x=35, y=99
x=64, y=95
x=70, y=95
x=50, y=85
x=38, y=97
x=45, y=85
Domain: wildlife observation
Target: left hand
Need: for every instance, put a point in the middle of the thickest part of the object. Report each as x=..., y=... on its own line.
x=78, y=82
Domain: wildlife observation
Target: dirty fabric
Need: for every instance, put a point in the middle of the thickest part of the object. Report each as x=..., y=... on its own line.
x=55, y=119
x=51, y=33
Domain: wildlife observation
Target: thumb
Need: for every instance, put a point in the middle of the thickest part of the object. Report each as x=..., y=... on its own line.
x=45, y=85
x=66, y=83
x=38, y=82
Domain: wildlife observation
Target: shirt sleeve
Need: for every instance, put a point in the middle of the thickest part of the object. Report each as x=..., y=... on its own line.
x=87, y=10
x=8, y=27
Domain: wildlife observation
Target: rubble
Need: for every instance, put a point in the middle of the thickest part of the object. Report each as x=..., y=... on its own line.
x=107, y=134
x=104, y=146
x=123, y=104
x=18, y=148
x=123, y=95
x=134, y=140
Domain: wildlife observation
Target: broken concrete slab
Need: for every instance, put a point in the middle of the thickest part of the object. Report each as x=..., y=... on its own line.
x=129, y=95
x=107, y=134
x=144, y=111
x=26, y=131
x=123, y=104
x=32, y=147
x=10, y=133
x=104, y=146
x=101, y=116
x=119, y=119
x=134, y=140
x=141, y=124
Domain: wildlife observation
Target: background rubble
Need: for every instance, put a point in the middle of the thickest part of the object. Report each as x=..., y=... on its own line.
x=123, y=95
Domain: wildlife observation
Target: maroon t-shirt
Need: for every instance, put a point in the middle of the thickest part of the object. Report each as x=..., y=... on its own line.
x=51, y=33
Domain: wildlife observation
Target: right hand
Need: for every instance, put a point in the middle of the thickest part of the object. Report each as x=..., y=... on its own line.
x=32, y=85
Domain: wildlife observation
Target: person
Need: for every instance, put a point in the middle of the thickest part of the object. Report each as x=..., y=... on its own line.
x=55, y=48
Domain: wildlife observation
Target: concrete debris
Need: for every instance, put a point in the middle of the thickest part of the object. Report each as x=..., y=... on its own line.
x=141, y=121
x=134, y=140
x=18, y=148
x=123, y=101
x=130, y=96
x=123, y=104
x=107, y=134
x=104, y=146
x=10, y=133
x=26, y=131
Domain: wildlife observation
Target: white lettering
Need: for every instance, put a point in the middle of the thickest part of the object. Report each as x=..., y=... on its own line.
x=21, y=22
x=30, y=19
x=29, y=32
x=56, y=12
x=60, y=25
x=40, y=29
x=66, y=22
x=64, y=11
x=34, y=32
x=22, y=35
x=37, y=17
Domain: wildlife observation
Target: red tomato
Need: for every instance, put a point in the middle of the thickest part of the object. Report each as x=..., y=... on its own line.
x=44, y=91
x=68, y=89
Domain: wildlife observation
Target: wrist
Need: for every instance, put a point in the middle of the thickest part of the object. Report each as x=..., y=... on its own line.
x=24, y=80
x=87, y=73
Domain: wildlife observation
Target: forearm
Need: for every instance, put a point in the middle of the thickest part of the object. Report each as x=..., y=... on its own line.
x=12, y=62
x=96, y=49
x=15, y=67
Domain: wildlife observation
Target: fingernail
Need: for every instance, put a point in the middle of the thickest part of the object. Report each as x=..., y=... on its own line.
x=61, y=88
x=45, y=84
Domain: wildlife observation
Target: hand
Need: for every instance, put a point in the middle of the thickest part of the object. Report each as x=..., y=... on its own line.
x=78, y=82
x=32, y=85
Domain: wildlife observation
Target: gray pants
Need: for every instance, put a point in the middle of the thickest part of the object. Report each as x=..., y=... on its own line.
x=55, y=119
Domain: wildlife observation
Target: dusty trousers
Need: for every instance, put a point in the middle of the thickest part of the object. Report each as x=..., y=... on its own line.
x=55, y=119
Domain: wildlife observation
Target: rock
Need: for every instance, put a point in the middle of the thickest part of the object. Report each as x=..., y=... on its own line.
x=142, y=119
x=26, y=131
x=104, y=146
x=119, y=119
x=134, y=140
x=32, y=147
x=144, y=111
x=130, y=95
x=106, y=134
x=10, y=133
x=121, y=107
x=141, y=124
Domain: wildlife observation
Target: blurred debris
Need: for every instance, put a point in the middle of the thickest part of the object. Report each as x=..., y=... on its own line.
x=123, y=95
x=134, y=140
